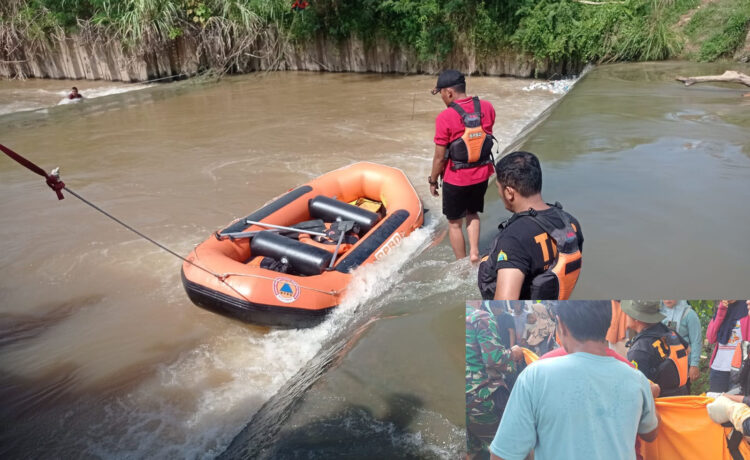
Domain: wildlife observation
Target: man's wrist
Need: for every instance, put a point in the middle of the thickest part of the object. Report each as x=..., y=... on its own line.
x=431, y=181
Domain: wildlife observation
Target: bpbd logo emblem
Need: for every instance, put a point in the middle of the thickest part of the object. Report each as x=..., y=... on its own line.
x=285, y=289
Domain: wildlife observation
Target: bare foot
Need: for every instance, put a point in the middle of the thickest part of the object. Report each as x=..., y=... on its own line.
x=474, y=258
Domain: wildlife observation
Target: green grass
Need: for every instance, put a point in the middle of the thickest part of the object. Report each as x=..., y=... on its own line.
x=701, y=385
x=556, y=30
x=720, y=28
x=705, y=311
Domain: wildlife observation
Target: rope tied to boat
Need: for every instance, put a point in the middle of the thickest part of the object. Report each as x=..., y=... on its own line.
x=53, y=178
x=57, y=185
x=54, y=182
x=253, y=275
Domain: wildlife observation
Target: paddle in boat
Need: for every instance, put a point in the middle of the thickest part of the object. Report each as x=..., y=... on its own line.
x=289, y=263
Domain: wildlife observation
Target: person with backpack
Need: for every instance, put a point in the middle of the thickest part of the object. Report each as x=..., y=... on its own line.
x=463, y=157
x=537, y=253
x=681, y=318
x=657, y=351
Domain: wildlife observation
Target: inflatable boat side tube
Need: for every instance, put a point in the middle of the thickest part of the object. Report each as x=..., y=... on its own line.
x=244, y=310
x=329, y=209
x=305, y=259
x=267, y=210
x=372, y=242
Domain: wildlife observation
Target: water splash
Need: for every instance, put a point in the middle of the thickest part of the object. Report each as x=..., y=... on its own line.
x=554, y=87
x=199, y=403
x=96, y=92
x=15, y=98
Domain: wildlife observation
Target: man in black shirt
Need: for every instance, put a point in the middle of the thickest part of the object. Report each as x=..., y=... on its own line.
x=657, y=351
x=525, y=248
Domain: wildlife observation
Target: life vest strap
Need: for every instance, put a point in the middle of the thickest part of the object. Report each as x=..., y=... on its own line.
x=548, y=227
x=733, y=445
x=462, y=112
x=542, y=222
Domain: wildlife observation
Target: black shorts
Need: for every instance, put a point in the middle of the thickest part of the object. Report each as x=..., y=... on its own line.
x=461, y=200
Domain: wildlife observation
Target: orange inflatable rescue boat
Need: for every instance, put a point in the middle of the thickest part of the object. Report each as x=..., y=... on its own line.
x=289, y=263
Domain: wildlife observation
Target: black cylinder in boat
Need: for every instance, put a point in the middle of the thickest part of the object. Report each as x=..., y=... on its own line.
x=329, y=209
x=303, y=258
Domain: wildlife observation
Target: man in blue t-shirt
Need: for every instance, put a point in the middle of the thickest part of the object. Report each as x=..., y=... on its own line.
x=585, y=405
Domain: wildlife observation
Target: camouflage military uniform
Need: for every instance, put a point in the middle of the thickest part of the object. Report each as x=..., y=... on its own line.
x=487, y=365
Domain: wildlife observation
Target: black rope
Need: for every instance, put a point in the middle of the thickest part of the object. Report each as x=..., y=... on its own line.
x=140, y=234
x=222, y=278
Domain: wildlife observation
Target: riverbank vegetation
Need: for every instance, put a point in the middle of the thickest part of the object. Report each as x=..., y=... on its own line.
x=230, y=30
x=224, y=30
x=718, y=29
x=705, y=310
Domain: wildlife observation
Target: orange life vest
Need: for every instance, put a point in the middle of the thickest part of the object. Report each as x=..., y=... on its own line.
x=561, y=277
x=672, y=351
x=474, y=147
x=555, y=283
x=671, y=346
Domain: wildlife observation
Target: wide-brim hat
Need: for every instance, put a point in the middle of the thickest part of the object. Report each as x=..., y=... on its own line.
x=643, y=310
x=447, y=79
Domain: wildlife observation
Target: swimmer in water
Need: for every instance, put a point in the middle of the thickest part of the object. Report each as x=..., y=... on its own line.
x=74, y=94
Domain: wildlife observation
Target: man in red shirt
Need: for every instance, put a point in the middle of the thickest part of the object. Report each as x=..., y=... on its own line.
x=463, y=142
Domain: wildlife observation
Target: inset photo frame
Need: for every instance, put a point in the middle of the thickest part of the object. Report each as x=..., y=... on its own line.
x=615, y=379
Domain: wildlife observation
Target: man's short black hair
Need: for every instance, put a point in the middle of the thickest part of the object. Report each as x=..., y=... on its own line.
x=459, y=88
x=75, y=88
x=520, y=170
x=586, y=319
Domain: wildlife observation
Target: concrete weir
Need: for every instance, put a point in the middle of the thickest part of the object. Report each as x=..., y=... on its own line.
x=79, y=57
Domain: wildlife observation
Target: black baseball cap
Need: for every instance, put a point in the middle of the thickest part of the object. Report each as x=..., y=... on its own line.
x=447, y=79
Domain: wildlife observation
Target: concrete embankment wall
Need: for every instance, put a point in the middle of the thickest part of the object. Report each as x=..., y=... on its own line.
x=79, y=58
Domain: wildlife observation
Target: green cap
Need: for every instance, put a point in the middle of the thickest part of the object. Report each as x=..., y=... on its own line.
x=643, y=310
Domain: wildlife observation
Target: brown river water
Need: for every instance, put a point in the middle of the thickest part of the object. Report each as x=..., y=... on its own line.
x=102, y=355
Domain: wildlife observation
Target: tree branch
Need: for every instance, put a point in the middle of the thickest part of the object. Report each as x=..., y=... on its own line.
x=730, y=76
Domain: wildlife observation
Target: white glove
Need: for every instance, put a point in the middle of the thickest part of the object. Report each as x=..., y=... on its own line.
x=720, y=409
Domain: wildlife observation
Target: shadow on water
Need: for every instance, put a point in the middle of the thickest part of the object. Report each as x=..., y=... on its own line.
x=355, y=431
x=51, y=403
x=16, y=328
x=61, y=400
x=263, y=429
x=23, y=397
